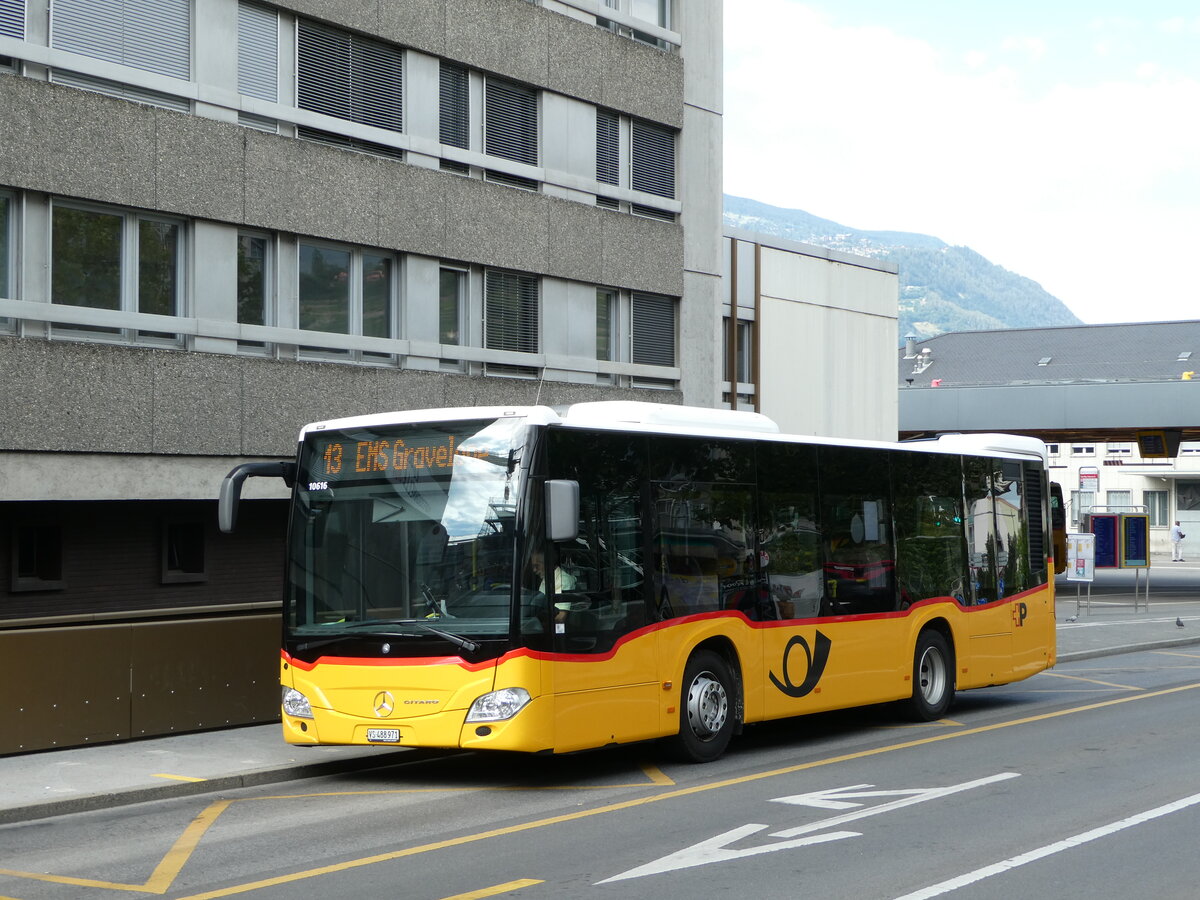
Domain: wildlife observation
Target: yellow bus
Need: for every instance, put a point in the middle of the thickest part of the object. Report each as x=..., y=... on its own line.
x=546, y=580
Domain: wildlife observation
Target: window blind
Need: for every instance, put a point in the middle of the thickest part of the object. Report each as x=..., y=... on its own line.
x=153, y=35
x=342, y=75
x=608, y=147
x=454, y=107
x=652, y=160
x=12, y=19
x=258, y=51
x=511, y=312
x=511, y=121
x=653, y=329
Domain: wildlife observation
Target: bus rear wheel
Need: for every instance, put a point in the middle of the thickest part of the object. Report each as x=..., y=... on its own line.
x=932, y=678
x=706, y=709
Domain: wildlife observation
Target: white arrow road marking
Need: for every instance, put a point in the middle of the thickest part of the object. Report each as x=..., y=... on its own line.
x=834, y=798
x=713, y=850
x=920, y=797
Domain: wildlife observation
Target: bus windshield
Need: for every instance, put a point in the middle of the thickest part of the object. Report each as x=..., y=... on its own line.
x=405, y=530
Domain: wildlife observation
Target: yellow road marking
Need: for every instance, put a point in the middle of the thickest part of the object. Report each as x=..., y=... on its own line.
x=491, y=891
x=656, y=776
x=666, y=795
x=178, y=777
x=172, y=863
x=1177, y=653
x=165, y=872
x=1123, y=687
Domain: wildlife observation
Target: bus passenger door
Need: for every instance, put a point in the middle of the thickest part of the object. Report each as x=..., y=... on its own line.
x=988, y=657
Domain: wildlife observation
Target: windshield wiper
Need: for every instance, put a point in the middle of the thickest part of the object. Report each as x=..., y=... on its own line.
x=456, y=639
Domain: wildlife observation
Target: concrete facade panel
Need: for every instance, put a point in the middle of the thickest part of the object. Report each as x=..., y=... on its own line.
x=575, y=58
x=310, y=189
x=642, y=81
x=643, y=254
x=200, y=167
x=193, y=404
x=65, y=141
x=360, y=15
x=499, y=36
x=420, y=24
x=496, y=225
x=575, y=231
x=411, y=209
x=87, y=397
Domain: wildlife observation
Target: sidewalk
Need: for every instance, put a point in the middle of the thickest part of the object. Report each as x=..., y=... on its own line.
x=56, y=782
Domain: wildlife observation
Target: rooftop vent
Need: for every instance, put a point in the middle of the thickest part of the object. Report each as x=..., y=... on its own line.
x=1184, y=355
x=1045, y=360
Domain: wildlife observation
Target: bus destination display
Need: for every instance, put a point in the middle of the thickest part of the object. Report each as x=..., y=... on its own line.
x=345, y=459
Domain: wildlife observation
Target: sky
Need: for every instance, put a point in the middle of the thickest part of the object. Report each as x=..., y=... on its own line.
x=1058, y=138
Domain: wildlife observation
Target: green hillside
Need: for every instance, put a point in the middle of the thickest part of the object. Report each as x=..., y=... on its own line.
x=942, y=288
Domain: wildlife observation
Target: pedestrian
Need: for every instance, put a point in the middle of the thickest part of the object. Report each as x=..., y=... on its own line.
x=1177, y=537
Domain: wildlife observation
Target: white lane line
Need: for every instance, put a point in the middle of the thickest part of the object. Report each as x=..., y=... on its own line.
x=1014, y=862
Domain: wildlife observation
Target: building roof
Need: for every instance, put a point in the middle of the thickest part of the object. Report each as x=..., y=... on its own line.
x=1154, y=351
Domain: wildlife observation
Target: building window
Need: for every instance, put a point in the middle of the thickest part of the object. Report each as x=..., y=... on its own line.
x=511, y=311
x=1119, y=448
x=153, y=35
x=1117, y=499
x=652, y=159
x=1052, y=450
x=345, y=290
x=183, y=553
x=653, y=330
x=342, y=75
x=104, y=259
x=454, y=111
x=451, y=306
x=37, y=558
x=608, y=147
x=258, y=51
x=253, y=283
x=1156, y=506
x=510, y=127
x=606, y=310
x=6, y=242
x=1083, y=449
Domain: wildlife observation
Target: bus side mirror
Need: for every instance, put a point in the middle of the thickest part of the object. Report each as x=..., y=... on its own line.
x=562, y=509
x=231, y=488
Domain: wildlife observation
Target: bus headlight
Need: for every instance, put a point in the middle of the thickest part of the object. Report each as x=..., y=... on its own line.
x=498, y=705
x=295, y=704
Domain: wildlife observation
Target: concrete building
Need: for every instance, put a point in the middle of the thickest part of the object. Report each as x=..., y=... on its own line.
x=1103, y=397
x=220, y=219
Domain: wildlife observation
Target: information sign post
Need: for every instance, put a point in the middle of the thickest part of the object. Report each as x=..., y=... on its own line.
x=1081, y=565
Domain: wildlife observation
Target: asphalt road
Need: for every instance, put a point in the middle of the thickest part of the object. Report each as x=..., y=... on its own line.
x=1080, y=782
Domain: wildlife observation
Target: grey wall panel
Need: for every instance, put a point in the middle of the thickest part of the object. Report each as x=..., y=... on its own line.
x=115, y=399
x=100, y=397
x=200, y=167
x=498, y=36
x=496, y=225
x=192, y=403
x=360, y=15
x=575, y=58
x=642, y=253
x=420, y=24
x=62, y=140
x=411, y=209
x=297, y=186
x=575, y=238
x=642, y=81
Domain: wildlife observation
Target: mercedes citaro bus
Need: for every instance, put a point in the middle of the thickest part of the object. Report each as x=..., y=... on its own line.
x=551, y=580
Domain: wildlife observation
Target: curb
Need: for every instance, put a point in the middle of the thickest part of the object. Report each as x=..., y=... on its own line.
x=252, y=778
x=1128, y=648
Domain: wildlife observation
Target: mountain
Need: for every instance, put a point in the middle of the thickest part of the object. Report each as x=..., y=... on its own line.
x=942, y=288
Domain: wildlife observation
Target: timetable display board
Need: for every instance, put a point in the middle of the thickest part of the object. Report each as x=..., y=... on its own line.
x=1106, y=528
x=1135, y=540
x=1081, y=557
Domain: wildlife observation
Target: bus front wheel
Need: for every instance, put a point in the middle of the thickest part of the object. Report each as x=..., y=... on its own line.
x=706, y=708
x=933, y=677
